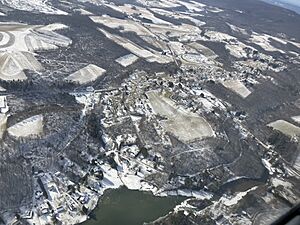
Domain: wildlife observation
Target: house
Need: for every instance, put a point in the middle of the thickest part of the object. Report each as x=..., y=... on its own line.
x=2, y=101
x=3, y=104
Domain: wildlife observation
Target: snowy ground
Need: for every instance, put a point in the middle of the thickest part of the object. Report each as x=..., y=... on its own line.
x=238, y=87
x=296, y=119
x=32, y=126
x=3, y=120
x=127, y=60
x=18, y=43
x=86, y=75
x=185, y=125
x=13, y=64
x=41, y=6
x=285, y=127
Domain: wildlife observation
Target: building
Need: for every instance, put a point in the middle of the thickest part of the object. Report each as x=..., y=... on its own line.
x=3, y=104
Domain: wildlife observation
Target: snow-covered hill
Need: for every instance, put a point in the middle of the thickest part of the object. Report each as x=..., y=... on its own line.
x=42, y=6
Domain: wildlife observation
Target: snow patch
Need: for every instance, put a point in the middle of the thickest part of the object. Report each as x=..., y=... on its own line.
x=32, y=126
x=41, y=6
x=230, y=201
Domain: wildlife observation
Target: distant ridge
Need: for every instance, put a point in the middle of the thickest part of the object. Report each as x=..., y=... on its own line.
x=285, y=4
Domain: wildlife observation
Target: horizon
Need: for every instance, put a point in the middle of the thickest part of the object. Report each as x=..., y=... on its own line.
x=291, y=2
x=293, y=5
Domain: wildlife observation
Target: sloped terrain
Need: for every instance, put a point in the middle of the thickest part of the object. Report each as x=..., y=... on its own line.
x=198, y=99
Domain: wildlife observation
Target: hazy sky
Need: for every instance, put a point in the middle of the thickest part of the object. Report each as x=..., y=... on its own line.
x=292, y=2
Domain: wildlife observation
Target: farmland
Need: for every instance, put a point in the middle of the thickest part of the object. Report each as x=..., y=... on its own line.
x=183, y=124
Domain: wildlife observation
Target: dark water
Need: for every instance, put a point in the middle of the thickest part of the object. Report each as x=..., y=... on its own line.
x=126, y=207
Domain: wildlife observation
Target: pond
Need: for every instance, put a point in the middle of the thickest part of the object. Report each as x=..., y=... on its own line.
x=126, y=207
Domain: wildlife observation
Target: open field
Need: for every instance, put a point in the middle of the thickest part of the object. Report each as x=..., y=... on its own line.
x=127, y=60
x=192, y=53
x=264, y=42
x=54, y=27
x=41, y=6
x=17, y=41
x=32, y=126
x=143, y=12
x=207, y=52
x=87, y=74
x=161, y=3
x=13, y=64
x=84, y=12
x=195, y=59
x=183, y=124
x=296, y=119
x=193, y=6
x=23, y=37
x=176, y=16
x=235, y=47
x=238, y=87
x=173, y=30
x=167, y=96
x=123, y=25
x=3, y=121
x=14, y=36
x=45, y=40
x=285, y=127
x=237, y=29
x=150, y=56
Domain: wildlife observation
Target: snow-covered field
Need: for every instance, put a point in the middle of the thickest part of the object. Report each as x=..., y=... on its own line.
x=233, y=200
x=143, y=12
x=127, y=60
x=18, y=43
x=54, y=27
x=296, y=119
x=264, y=42
x=13, y=64
x=41, y=6
x=151, y=56
x=185, y=125
x=238, y=87
x=87, y=74
x=285, y=127
x=3, y=120
x=122, y=25
x=32, y=126
x=23, y=37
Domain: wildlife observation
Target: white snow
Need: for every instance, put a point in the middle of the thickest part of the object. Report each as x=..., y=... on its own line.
x=3, y=121
x=268, y=166
x=230, y=201
x=84, y=12
x=14, y=63
x=127, y=60
x=278, y=182
x=111, y=177
x=285, y=127
x=297, y=162
x=42, y=6
x=54, y=27
x=264, y=41
x=193, y=6
x=209, y=101
x=296, y=119
x=238, y=87
x=87, y=74
x=32, y=126
x=184, y=206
